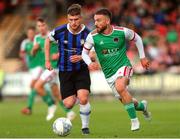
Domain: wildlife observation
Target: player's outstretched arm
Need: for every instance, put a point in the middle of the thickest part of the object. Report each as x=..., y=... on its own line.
x=35, y=49
x=133, y=36
x=47, y=54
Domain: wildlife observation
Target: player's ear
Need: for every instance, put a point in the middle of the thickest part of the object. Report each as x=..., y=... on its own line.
x=108, y=21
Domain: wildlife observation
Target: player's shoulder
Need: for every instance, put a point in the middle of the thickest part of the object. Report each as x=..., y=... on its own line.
x=86, y=29
x=25, y=41
x=118, y=28
x=61, y=28
x=94, y=32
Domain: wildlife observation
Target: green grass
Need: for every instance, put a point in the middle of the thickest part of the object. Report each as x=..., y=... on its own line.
x=108, y=119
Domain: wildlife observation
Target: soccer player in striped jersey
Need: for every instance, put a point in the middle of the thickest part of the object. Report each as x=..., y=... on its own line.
x=73, y=72
x=50, y=77
x=109, y=44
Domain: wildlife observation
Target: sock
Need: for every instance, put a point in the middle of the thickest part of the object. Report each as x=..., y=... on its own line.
x=31, y=98
x=48, y=99
x=85, y=111
x=140, y=106
x=66, y=110
x=131, y=110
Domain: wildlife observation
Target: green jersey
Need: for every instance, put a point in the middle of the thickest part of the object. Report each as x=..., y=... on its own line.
x=40, y=40
x=31, y=61
x=41, y=52
x=110, y=50
x=54, y=50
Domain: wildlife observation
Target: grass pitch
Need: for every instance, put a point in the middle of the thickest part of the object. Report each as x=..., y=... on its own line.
x=108, y=120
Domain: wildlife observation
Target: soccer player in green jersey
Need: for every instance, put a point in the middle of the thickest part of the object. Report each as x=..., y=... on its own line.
x=47, y=76
x=109, y=44
x=32, y=65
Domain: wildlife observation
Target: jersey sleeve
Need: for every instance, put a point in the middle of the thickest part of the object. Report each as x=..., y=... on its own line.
x=129, y=34
x=89, y=43
x=133, y=36
x=51, y=35
x=23, y=46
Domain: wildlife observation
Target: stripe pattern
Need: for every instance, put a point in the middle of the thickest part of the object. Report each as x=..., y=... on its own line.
x=69, y=45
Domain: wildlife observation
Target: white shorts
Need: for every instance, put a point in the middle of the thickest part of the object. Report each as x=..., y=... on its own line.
x=50, y=76
x=36, y=72
x=124, y=71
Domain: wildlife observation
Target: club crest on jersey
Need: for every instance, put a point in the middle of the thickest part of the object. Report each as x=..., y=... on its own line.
x=82, y=41
x=116, y=39
x=65, y=42
x=105, y=51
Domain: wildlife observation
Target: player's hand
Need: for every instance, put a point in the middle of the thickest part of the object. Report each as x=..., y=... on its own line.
x=34, y=49
x=93, y=66
x=55, y=56
x=75, y=58
x=145, y=63
x=48, y=65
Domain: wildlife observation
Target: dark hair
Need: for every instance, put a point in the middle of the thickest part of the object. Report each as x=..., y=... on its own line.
x=40, y=19
x=105, y=12
x=74, y=9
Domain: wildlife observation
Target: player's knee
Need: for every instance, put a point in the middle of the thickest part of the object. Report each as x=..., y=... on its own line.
x=38, y=88
x=56, y=95
x=120, y=88
x=83, y=96
x=69, y=103
x=83, y=100
x=32, y=84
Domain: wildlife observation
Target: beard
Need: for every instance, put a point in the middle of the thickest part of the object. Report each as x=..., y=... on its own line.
x=101, y=30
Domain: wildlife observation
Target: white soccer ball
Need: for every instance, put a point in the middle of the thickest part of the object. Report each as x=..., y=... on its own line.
x=62, y=126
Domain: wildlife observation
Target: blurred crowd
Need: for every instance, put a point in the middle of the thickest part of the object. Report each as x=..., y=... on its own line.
x=156, y=21
x=8, y=6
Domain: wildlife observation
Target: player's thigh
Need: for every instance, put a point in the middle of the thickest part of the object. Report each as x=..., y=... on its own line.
x=32, y=83
x=121, y=83
x=116, y=82
x=39, y=84
x=67, y=87
x=82, y=80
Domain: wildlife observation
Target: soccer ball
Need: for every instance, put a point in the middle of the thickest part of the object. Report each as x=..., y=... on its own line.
x=62, y=126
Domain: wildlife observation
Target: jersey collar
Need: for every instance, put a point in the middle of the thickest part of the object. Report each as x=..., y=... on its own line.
x=109, y=33
x=83, y=26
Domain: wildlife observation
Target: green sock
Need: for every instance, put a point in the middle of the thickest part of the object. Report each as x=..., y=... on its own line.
x=31, y=98
x=48, y=99
x=66, y=110
x=140, y=106
x=131, y=110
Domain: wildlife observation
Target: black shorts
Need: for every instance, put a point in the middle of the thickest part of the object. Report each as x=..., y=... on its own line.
x=72, y=81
